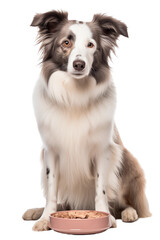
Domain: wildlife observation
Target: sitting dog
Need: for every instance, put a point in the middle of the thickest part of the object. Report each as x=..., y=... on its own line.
x=85, y=165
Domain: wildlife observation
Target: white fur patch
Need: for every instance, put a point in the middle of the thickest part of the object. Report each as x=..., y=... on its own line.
x=81, y=50
x=70, y=92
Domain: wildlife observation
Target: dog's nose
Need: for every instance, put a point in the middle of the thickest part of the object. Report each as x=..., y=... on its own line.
x=79, y=65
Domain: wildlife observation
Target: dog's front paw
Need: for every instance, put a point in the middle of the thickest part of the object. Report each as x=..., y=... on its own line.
x=129, y=215
x=113, y=222
x=41, y=225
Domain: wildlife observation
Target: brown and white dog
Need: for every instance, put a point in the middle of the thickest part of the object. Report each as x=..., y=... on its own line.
x=85, y=165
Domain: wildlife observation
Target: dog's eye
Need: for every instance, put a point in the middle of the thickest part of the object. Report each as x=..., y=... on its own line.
x=67, y=44
x=90, y=45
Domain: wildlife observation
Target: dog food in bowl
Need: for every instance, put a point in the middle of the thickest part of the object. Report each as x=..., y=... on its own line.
x=80, y=221
x=79, y=214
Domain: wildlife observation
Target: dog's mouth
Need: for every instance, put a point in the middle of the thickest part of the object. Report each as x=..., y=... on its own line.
x=78, y=74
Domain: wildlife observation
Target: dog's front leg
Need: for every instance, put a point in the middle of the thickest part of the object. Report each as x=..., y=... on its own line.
x=52, y=173
x=104, y=166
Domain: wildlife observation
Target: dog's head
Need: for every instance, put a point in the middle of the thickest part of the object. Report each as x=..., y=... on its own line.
x=79, y=48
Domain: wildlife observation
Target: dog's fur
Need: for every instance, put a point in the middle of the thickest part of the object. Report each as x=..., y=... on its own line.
x=85, y=165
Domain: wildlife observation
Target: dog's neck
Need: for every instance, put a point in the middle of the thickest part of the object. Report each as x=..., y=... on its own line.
x=64, y=90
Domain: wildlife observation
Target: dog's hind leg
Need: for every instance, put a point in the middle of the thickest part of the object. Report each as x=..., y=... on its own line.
x=33, y=214
x=133, y=185
x=36, y=213
x=133, y=203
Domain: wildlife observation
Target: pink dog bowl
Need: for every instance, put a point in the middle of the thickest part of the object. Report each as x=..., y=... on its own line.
x=80, y=221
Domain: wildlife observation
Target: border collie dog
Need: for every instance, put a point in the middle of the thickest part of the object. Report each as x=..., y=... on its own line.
x=85, y=165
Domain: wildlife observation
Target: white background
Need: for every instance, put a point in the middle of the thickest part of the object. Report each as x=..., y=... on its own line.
x=136, y=74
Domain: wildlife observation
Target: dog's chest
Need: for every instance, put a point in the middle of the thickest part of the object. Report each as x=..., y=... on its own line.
x=72, y=130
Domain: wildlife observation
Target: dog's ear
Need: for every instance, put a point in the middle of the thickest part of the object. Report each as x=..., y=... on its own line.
x=110, y=27
x=48, y=22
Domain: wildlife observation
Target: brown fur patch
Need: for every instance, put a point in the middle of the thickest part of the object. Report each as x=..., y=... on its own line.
x=132, y=184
